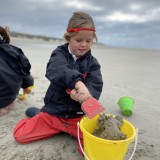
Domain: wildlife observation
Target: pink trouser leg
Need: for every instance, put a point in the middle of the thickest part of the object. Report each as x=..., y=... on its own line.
x=43, y=126
x=39, y=127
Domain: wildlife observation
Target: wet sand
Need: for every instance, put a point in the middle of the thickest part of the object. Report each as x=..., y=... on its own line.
x=126, y=72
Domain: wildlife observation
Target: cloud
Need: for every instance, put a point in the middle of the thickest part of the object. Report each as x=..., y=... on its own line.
x=122, y=23
x=135, y=7
x=148, y=16
x=82, y=5
x=123, y=17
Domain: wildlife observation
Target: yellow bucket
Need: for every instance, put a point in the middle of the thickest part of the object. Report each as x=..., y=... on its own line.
x=100, y=149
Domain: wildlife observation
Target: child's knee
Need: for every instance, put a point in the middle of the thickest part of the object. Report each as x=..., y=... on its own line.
x=20, y=138
x=19, y=134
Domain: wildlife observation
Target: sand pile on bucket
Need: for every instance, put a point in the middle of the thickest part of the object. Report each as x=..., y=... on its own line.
x=109, y=127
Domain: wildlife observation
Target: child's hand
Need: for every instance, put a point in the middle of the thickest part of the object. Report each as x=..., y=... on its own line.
x=83, y=97
x=78, y=96
x=28, y=90
x=82, y=89
x=74, y=94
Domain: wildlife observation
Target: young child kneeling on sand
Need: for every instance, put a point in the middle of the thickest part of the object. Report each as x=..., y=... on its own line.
x=71, y=66
x=14, y=72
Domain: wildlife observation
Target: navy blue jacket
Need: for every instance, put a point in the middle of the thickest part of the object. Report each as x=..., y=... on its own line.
x=14, y=73
x=63, y=73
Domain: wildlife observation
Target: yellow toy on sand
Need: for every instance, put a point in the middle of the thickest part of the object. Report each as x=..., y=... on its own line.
x=24, y=95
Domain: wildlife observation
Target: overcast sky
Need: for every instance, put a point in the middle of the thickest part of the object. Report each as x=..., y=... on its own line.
x=128, y=23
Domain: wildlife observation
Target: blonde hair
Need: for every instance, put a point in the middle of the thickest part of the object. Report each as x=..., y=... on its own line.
x=4, y=35
x=79, y=20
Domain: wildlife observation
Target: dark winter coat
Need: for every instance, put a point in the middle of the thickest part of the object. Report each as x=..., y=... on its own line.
x=63, y=72
x=14, y=73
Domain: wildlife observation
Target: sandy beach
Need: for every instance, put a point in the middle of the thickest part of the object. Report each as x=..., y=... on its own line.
x=126, y=72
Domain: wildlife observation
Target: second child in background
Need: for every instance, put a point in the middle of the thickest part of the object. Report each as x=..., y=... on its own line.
x=14, y=72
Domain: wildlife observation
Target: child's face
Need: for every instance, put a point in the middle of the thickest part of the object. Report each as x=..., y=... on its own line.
x=81, y=43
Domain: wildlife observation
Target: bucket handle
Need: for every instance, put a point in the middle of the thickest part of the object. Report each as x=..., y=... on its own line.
x=80, y=142
x=135, y=144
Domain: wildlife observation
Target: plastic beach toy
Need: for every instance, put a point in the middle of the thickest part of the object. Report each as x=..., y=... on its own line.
x=126, y=105
x=91, y=107
x=24, y=96
x=96, y=148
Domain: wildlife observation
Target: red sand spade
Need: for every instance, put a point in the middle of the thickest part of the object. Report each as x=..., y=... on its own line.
x=91, y=107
